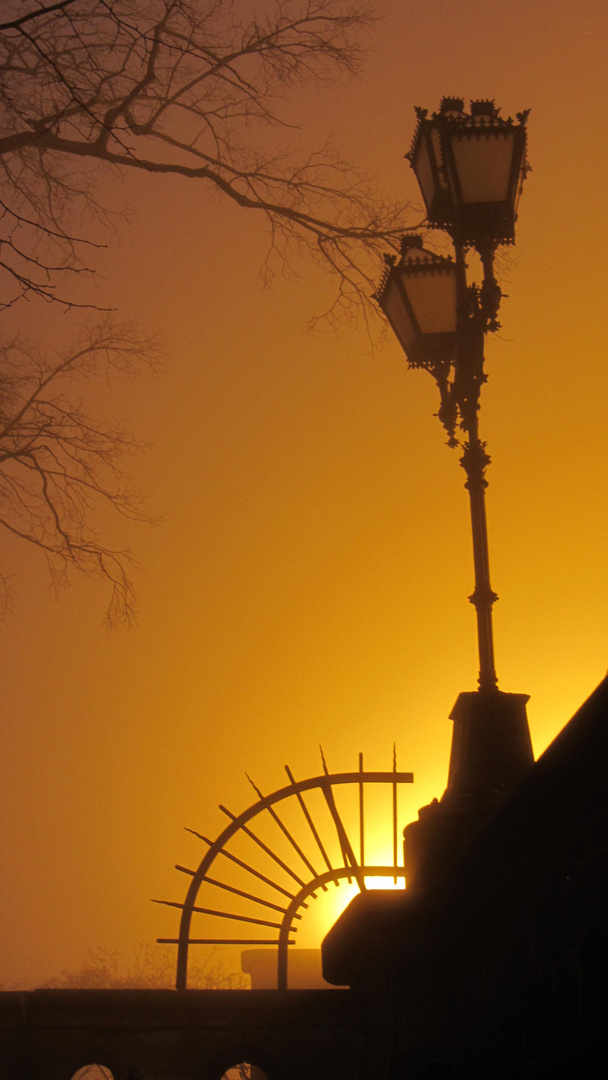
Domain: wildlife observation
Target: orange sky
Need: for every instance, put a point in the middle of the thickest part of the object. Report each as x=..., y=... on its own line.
x=308, y=581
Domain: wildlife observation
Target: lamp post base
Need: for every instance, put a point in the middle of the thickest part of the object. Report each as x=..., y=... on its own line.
x=491, y=753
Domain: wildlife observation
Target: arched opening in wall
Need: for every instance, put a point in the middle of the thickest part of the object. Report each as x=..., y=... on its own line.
x=244, y=1071
x=93, y=1072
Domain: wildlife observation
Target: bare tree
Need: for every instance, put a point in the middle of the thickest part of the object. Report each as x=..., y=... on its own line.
x=185, y=87
x=59, y=465
x=188, y=87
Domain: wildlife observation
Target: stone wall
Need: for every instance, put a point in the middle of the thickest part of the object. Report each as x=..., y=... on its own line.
x=172, y=1035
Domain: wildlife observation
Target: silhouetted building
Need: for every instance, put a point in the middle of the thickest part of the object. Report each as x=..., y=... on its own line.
x=499, y=968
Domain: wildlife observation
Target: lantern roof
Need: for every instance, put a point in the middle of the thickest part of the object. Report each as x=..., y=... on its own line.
x=484, y=115
x=415, y=259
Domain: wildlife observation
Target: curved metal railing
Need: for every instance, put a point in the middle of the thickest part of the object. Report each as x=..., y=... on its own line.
x=286, y=900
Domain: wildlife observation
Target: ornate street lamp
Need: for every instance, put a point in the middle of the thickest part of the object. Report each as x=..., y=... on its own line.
x=470, y=168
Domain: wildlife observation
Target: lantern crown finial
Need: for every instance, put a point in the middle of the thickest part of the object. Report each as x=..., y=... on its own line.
x=484, y=107
x=410, y=240
x=451, y=104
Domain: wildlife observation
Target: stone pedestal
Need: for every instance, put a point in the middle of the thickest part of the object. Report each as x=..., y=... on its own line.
x=491, y=753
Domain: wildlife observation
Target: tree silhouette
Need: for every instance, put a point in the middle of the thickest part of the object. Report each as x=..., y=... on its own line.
x=185, y=87
x=59, y=465
x=148, y=968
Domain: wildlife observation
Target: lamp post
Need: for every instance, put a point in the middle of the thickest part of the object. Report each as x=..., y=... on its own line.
x=470, y=168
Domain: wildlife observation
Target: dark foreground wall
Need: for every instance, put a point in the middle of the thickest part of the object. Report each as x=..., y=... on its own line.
x=171, y=1035
x=501, y=969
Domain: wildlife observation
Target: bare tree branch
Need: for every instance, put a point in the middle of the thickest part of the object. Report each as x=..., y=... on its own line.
x=59, y=466
x=185, y=87
x=41, y=10
x=191, y=88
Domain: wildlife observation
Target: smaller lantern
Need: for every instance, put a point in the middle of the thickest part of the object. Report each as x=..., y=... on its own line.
x=418, y=295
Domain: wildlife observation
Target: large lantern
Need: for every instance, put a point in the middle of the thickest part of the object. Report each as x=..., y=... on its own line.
x=471, y=168
x=418, y=295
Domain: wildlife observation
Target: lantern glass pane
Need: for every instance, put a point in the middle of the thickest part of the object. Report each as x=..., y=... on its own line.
x=424, y=172
x=398, y=316
x=483, y=165
x=433, y=299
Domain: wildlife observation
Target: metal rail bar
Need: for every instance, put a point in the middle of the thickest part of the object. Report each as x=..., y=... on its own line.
x=220, y=941
x=275, y=817
x=311, y=823
x=249, y=832
x=239, y=862
x=394, y=807
x=361, y=814
x=228, y=888
x=345, y=844
x=237, y=918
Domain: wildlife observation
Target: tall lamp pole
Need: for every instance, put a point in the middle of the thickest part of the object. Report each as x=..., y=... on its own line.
x=470, y=167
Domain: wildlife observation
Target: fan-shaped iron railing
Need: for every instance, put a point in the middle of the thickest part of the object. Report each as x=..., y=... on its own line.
x=289, y=900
